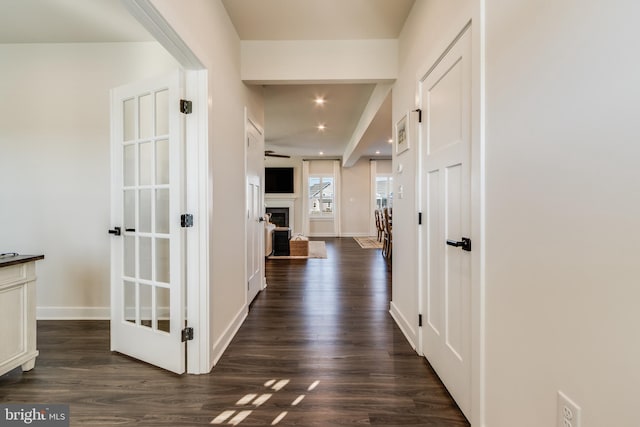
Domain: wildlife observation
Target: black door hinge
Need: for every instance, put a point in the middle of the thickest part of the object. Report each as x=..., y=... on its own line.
x=419, y=320
x=187, y=334
x=185, y=106
x=186, y=220
x=419, y=218
x=419, y=111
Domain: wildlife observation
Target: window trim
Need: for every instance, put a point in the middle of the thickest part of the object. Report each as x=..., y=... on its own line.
x=322, y=215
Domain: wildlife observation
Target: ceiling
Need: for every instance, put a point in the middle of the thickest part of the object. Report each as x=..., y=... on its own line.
x=68, y=21
x=291, y=117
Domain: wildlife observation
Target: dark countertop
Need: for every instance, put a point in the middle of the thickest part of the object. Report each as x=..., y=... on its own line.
x=6, y=261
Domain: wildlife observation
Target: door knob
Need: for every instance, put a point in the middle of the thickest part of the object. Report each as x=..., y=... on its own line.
x=260, y=219
x=465, y=244
x=116, y=231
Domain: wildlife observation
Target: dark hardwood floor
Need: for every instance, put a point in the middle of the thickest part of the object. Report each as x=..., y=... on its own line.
x=318, y=348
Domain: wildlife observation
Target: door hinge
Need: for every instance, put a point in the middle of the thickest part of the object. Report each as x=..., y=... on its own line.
x=187, y=334
x=185, y=106
x=186, y=220
x=419, y=218
x=419, y=111
x=419, y=320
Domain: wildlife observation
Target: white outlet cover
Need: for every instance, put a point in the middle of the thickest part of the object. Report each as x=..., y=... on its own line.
x=568, y=412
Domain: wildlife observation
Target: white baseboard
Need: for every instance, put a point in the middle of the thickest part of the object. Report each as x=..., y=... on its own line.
x=73, y=313
x=322, y=235
x=406, y=327
x=357, y=235
x=223, y=342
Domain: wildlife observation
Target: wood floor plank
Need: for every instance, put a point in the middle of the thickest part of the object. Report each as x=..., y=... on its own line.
x=318, y=348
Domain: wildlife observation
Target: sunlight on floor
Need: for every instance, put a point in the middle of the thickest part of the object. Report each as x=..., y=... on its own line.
x=234, y=418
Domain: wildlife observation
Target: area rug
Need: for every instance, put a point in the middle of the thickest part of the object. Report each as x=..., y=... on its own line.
x=317, y=249
x=368, y=242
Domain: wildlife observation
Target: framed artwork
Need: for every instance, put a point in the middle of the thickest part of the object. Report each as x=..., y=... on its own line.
x=402, y=134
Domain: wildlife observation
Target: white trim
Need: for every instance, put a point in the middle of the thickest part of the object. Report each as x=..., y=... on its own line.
x=405, y=326
x=478, y=217
x=146, y=13
x=283, y=202
x=231, y=330
x=359, y=235
x=197, y=242
x=73, y=313
x=321, y=235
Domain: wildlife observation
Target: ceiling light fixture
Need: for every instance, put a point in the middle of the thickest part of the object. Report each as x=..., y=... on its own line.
x=321, y=126
x=377, y=151
x=321, y=153
x=390, y=141
x=319, y=100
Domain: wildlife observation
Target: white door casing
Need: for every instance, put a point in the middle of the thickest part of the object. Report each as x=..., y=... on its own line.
x=255, y=210
x=147, y=197
x=445, y=93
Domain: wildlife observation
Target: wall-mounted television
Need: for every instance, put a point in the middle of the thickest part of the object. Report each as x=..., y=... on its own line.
x=278, y=180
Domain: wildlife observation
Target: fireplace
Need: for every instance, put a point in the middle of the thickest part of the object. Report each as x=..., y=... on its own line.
x=279, y=216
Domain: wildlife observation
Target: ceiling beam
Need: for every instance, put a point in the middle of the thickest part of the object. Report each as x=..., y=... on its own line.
x=353, y=150
x=335, y=61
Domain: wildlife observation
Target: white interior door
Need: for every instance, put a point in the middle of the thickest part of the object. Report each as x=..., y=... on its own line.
x=446, y=196
x=147, y=283
x=255, y=233
x=255, y=211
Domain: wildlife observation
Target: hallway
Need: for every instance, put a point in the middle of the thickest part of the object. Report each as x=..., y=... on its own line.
x=318, y=348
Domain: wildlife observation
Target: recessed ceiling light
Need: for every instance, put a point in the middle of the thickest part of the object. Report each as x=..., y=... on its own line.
x=390, y=141
x=319, y=100
x=377, y=151
x=321, y=126
x=321, y=153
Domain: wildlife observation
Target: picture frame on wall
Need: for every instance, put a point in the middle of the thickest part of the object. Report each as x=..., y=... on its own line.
x=402, y=134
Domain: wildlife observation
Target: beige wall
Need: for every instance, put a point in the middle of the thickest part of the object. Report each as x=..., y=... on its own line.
x=563, y=205
x=205, y=27
x=356, y=199
x=55, y=163
x=355, y=194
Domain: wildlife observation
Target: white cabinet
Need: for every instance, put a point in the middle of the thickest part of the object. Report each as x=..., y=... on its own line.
x=18, y=313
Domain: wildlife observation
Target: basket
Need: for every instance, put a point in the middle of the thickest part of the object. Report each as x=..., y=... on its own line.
x=299, y=246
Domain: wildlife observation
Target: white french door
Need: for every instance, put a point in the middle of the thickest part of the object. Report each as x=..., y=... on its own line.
x=147, y=262
x=446, y=242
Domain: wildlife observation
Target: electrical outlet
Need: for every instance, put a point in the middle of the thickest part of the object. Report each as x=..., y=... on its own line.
x=568, y=412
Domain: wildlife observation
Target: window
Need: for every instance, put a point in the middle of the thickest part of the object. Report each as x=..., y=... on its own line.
x=384, y=191
x=321, y=196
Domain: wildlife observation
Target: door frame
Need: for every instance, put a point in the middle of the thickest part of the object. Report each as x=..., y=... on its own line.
x=248, y=122
x=478, y=197
x=196, y=181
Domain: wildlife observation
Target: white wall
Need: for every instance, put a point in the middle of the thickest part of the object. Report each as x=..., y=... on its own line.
x=54, y=163
x=206, y=29
x=563, y=208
